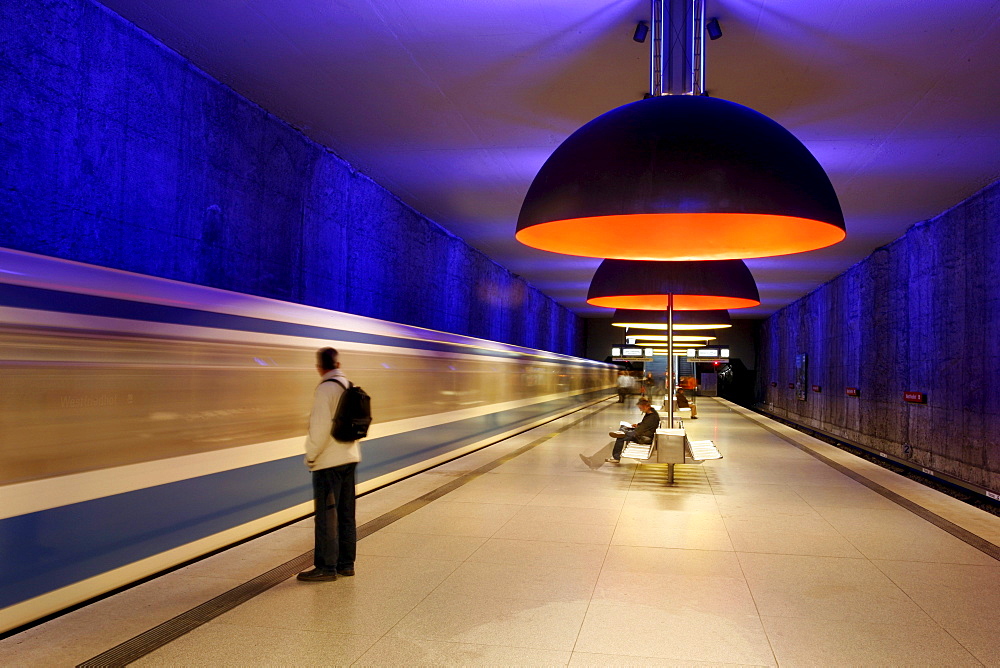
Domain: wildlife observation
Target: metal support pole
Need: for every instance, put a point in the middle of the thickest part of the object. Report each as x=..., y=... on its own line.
x=656, y=48
x=698, y=48
x=677, y=47
x=670, y=359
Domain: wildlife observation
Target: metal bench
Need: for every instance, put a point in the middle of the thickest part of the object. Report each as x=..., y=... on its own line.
x=701, y=451
x=670, y=447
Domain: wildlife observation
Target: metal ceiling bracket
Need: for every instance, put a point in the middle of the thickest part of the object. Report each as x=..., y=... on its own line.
x=677, y=49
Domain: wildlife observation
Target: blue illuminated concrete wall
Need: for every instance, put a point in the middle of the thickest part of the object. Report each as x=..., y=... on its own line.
x=118, y=152
x=920, y=314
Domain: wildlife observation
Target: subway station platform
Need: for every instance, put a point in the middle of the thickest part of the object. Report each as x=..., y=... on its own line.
x=785, y=552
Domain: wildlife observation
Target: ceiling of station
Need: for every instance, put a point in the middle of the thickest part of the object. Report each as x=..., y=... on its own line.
x=453, y=105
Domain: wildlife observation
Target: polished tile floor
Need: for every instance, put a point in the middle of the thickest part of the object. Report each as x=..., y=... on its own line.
x=766, y=557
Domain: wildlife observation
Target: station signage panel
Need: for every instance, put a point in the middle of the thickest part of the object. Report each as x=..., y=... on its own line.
x=817, y=388
x=852, y=392
x=631, y=354
x=713, y=354
x=915, y=397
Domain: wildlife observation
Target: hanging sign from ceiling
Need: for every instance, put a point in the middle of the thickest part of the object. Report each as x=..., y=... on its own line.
x=631, y=354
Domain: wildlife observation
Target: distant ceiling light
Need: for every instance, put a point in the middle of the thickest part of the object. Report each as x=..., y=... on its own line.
x=714, y=29
x=647, y=339
x=641, y=30
x=693, y=286
x=679, y=175
x=683, y=320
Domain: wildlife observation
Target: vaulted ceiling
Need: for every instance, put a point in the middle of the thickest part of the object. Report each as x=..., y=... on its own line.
x=453, y=105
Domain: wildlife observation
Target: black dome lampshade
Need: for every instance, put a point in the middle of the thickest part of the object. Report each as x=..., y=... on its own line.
x=681, y=177
x=693, y=286
x=682, y=320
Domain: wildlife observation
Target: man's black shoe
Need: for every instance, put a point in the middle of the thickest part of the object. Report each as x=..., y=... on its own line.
x=316, y=575
x=348, y=571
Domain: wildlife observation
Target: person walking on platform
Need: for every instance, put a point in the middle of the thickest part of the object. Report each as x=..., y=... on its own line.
x=641, y=432
x=647, y=385
x=333, y=465
x=624, y=385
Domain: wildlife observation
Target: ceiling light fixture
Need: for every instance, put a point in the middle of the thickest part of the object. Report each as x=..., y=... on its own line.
x=683, y=320
x=702, y=177
x=693, y=286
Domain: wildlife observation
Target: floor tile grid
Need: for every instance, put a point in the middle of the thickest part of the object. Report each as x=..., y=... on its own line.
x=632, y=482
x=527, y=501
x=680, y=626
x=745, y=575
x=958, y=629
x=774, y=623
x=756, y=606
x=399, y=631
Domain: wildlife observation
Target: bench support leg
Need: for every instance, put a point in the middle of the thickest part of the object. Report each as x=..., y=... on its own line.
x=670, y=474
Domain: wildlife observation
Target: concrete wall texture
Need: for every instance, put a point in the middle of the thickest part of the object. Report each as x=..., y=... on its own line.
x=120, y=153
x=920, y=314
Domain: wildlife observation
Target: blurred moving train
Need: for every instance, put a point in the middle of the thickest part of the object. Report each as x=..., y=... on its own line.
x=145, y=422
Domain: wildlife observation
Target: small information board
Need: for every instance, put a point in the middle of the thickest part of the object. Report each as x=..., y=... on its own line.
x=714, y=354
x=852, y=392
x=631, y=354
x=915, y=397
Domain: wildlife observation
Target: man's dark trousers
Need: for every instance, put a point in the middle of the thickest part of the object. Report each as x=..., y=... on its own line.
x=336, y=533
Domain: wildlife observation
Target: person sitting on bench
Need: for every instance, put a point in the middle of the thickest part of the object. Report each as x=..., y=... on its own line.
x=641, y=432
x=683, y=402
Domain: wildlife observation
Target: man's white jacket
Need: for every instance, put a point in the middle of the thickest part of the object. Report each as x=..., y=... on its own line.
x=322, y=451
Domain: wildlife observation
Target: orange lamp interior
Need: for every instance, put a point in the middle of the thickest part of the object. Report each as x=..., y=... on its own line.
x=681, y=302
x=644, y=339
x=681, y=236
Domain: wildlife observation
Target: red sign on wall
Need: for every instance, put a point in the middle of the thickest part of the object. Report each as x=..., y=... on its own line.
x=817, y=388
x=915, y=397
x=852, y=392
x=791, y=386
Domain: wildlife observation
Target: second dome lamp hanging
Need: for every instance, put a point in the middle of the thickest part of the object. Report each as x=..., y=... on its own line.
x=679, y=175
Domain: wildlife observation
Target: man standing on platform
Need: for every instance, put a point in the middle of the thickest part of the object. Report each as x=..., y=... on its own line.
x=624, y=385
x=333, y=464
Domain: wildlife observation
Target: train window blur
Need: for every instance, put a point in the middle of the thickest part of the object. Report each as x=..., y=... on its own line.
x=79, y=400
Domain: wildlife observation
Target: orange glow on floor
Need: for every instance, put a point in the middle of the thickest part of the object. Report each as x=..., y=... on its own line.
x=681, y=236
x=681, y=302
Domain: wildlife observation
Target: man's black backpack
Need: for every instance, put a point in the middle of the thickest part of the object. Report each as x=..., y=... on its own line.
x=353, y=415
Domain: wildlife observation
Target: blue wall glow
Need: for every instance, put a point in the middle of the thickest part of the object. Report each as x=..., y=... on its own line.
x=920, y=314
x=120, y=153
